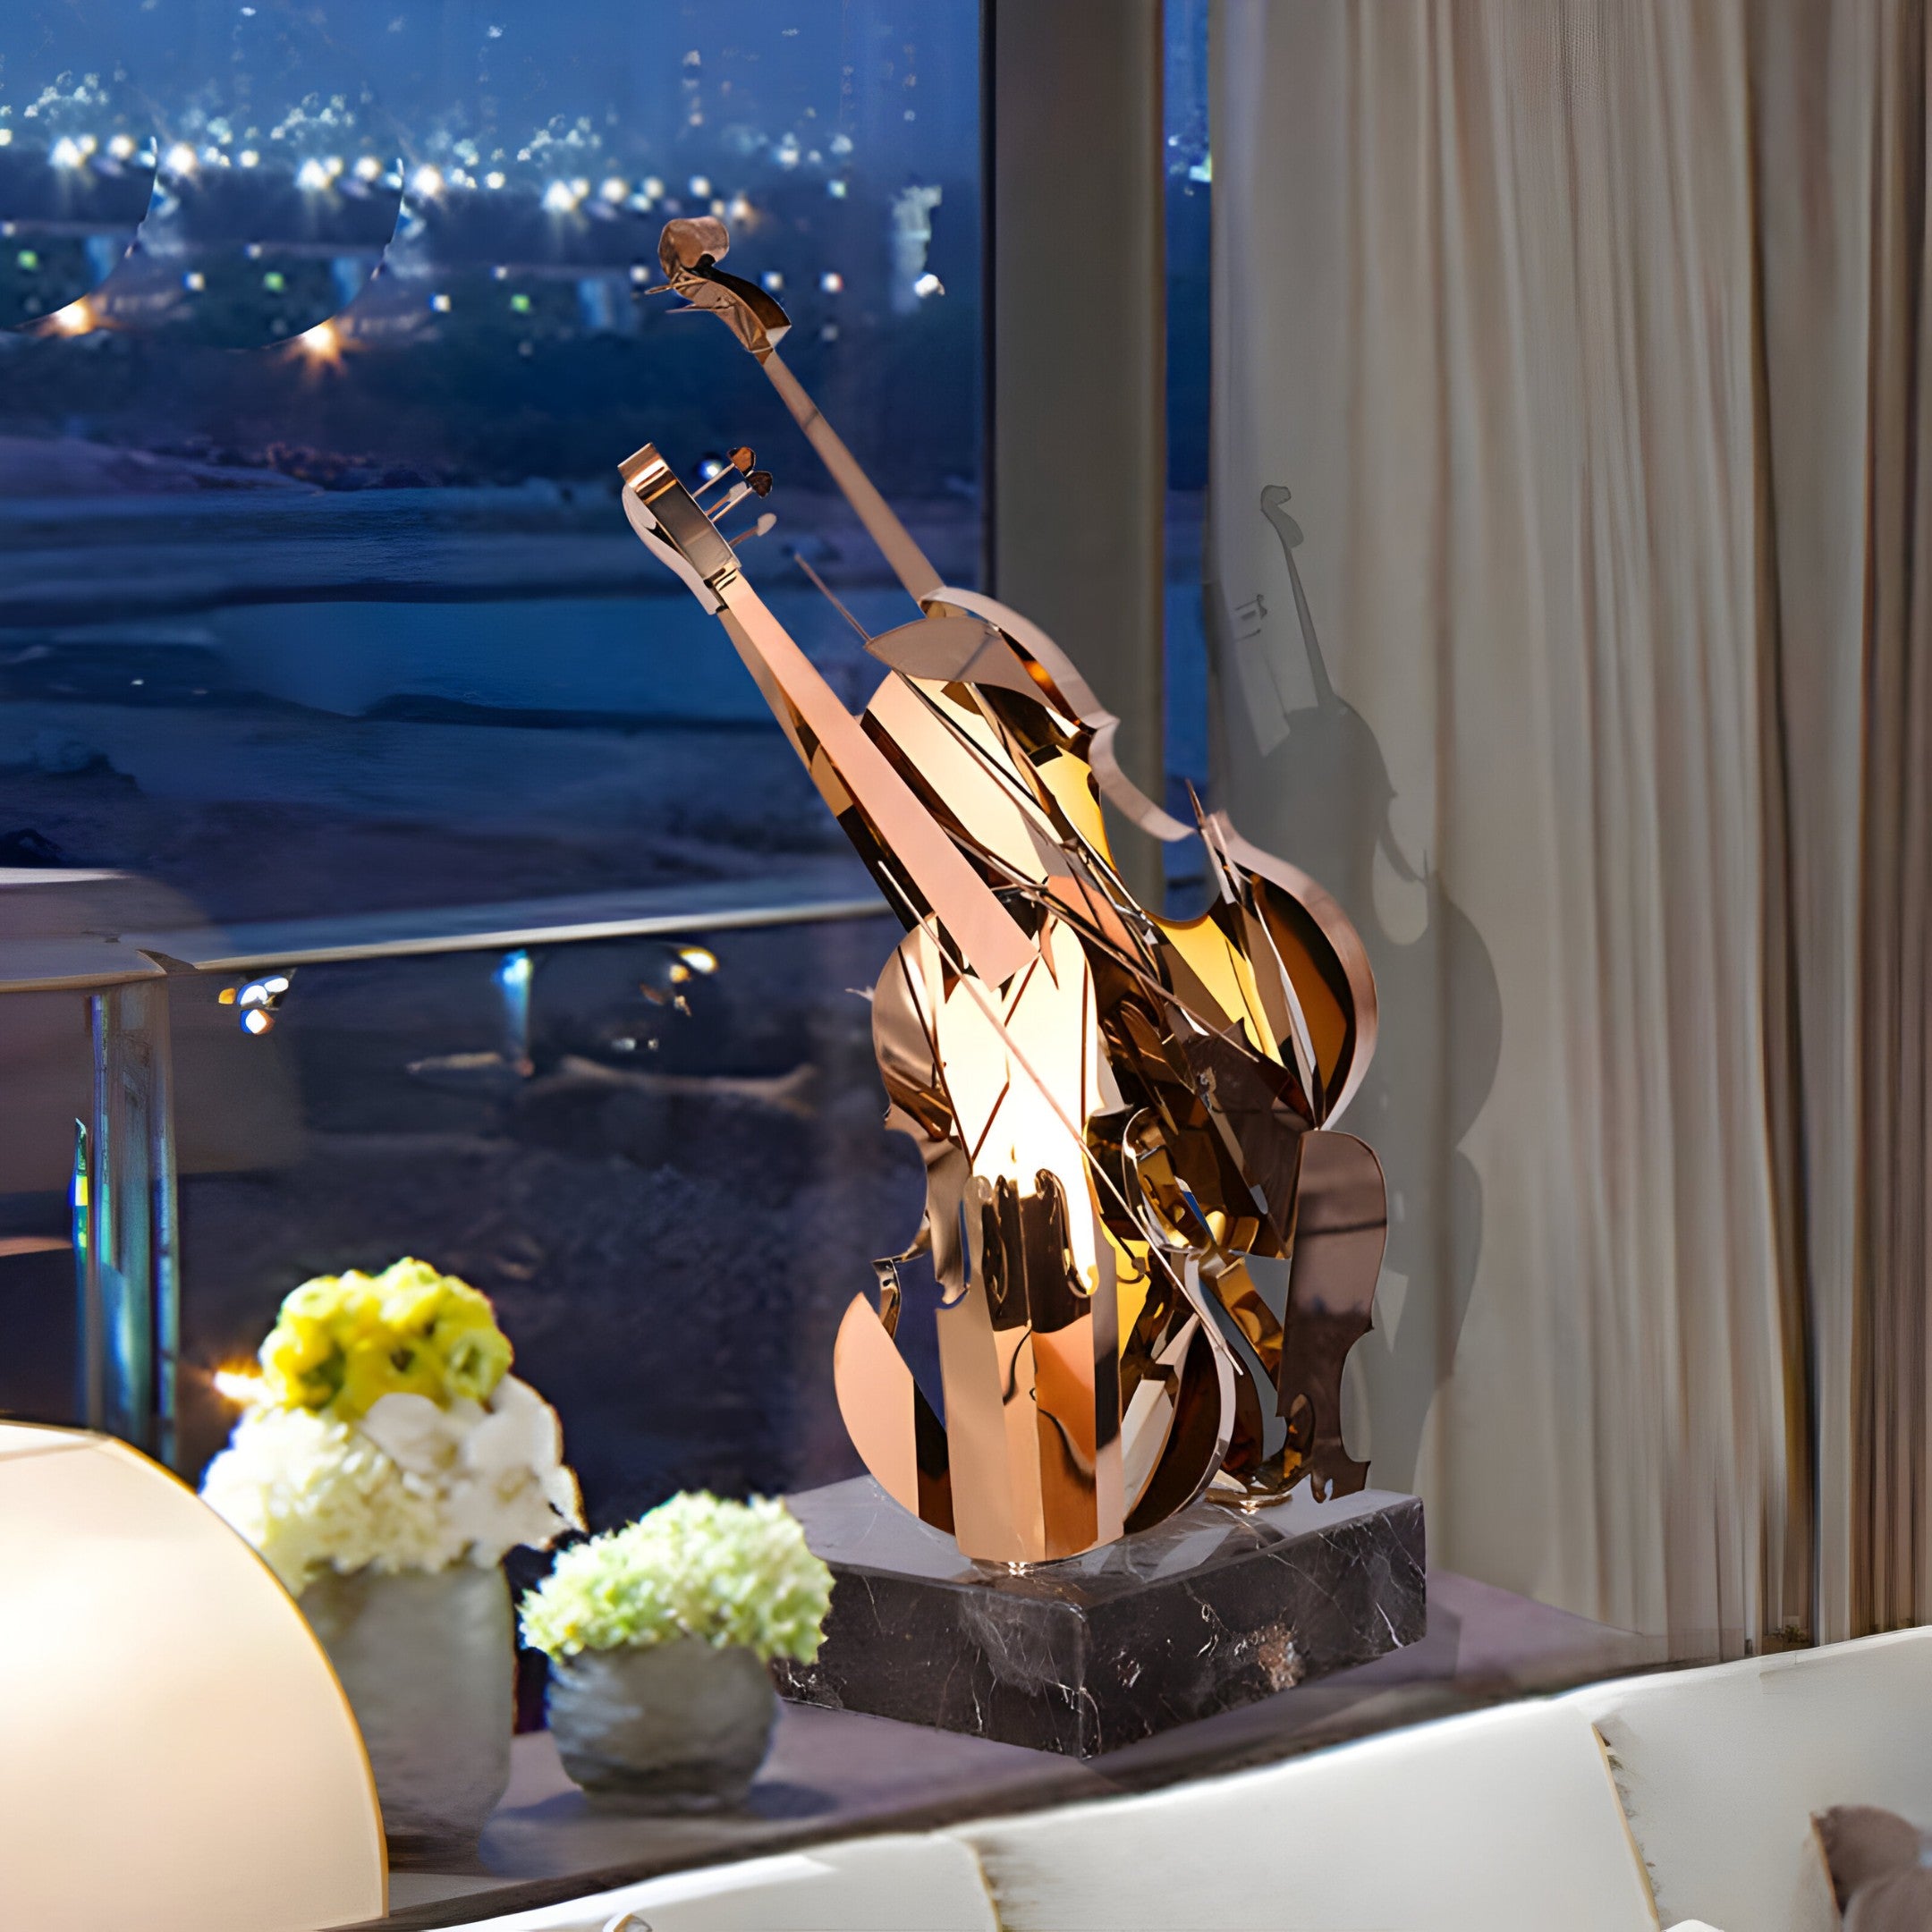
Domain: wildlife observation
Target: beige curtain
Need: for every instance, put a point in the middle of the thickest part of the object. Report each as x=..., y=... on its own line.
x=1584, y=661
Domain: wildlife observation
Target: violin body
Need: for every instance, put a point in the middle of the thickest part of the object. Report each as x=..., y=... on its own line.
x=1154, y=1250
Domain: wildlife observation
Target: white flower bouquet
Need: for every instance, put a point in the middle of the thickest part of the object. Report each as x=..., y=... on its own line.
x=383, y=1431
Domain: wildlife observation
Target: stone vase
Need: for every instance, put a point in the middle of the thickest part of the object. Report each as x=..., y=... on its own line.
x=429, y=1663
x=680, y=1726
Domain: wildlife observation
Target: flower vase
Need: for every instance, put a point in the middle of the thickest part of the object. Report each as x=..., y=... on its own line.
x=676, y=1726
x=429, y=1663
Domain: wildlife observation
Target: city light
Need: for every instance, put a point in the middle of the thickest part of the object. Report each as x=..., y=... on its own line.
x=250, y=156
x=6, y=137
x=311, y=175
x=494, y=179
x=613, y=190
x=368, y=169
x=67, y=153
x=180, y=159
x=700, y=185
x=440, y=303
x=773, y=280
x=560, y=198
x=121, y=147
x=427, y=182
x=653, y=188
x=831, y=282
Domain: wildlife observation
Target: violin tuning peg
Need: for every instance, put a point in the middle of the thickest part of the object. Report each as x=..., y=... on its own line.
x=740, y=459
x=759, y=482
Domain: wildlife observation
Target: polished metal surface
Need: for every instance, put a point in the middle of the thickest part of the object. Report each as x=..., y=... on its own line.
x=1118, y=1113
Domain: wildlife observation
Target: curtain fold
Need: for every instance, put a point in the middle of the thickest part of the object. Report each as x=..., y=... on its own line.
x=1565, y=619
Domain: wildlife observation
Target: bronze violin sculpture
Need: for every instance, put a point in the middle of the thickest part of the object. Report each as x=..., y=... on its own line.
x=1118, y=1113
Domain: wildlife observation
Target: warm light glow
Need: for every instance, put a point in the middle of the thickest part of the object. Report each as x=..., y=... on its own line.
x=369, y=168
x=121, y=147
x=321, y=344
x=831, y=282
x=613, y=190
x=494, y=179
x=180, y=159
x=700, y=185
x=311, y=175
x=77, y=319
x=6, y=137
x=928, y=284
x=244, y=1385
x=250, y=156
x=67, y=153
x=560, y=198
x=427, y=182
x=700, y=959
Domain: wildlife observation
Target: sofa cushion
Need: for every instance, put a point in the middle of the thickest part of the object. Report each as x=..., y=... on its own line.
x=1721, y=1770
x=1863, y=1843
x=1503, y=1821
x=900, y=1884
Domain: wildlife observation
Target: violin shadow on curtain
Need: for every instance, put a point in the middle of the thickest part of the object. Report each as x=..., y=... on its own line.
x=1304, y=775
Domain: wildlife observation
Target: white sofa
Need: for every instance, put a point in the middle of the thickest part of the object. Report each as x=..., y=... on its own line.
x=1720, y=1771
x=1697, y=1787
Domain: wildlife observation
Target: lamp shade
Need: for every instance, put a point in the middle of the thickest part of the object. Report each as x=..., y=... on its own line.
x=174, y=1751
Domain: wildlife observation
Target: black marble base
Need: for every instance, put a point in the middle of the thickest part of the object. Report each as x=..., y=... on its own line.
x=1212, y=1609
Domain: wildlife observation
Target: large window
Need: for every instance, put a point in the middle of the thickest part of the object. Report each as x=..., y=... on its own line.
x=325, y=328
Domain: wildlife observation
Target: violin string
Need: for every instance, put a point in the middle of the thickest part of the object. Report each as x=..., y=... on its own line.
x=825, y=591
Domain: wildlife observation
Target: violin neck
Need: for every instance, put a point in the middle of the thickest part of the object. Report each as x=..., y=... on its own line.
x=909, y=564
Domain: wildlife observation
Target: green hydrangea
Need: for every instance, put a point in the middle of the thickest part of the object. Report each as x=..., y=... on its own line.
x=696, y=1566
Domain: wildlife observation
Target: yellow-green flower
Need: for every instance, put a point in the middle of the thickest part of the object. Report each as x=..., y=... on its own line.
x=343, y=1342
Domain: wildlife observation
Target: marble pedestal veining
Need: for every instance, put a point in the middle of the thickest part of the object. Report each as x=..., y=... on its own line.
x=1211, y=1609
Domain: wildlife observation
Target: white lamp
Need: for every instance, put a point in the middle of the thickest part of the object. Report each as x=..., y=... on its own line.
x=174, y=1751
